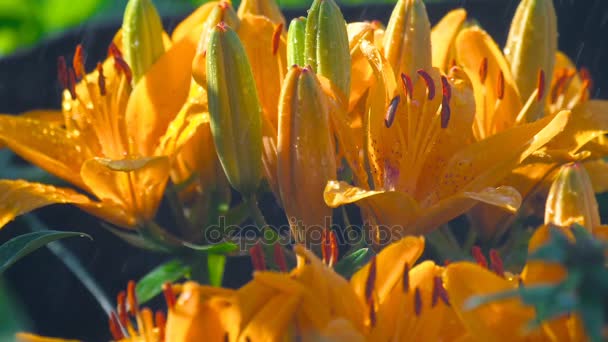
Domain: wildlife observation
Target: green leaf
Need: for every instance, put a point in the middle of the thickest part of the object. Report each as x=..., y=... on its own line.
x=215, y=267
x=348, y=265
x=220, y=248
x=151, y=284
x=20, y=246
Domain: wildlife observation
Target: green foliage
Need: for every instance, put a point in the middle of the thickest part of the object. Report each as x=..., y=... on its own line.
x=151, y=284
x=351, y=263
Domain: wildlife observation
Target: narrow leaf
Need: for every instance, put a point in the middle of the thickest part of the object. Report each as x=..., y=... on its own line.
x=215, y=266
x=348, y=265
x=151, y=284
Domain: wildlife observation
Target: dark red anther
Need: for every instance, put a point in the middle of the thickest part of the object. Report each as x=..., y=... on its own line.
x=585, y=75
x=114, y=51
x=115, y=328
x=169, y=295
x=72, y=83
x=496, y=263
x=121, y=308
x=391, y=111
x=325, y=247
x=541, y=85
x=78, y=62
x=276, y=38
x=406, y=278
x=133, y=308
x=257, y=257
x=279, y=257
x=62, y=72
x=439, y=292
x=483, y=70
x=500, y=86
x=479, y=257
x=101, y=80
x=408, y=86
x=430, y=84
x=122, y=66
x=372, y=313
x=160, y=321
x=333, y=243
x=446, y=112
x=446, y=88
x=370, y=283
x=417, y=302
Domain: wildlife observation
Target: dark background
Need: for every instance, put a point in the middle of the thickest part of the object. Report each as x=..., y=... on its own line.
x=56, y=303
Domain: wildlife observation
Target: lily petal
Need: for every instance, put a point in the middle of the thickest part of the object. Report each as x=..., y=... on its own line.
x=193, y=23
x=443, y=36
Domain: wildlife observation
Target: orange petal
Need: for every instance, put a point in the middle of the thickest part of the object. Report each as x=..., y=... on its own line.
x=18, y=197
x=27, y=337
x=443, y=36
x=192, y=26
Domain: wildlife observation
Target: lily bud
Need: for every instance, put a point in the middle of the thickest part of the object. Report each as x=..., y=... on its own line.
x=234, y=109
x=572, y=199
x=407, y=40
x=532, y=44
x=267, y=8
x=326, y=45
x=142, y=36
x=306, y=157
x=295, y=42
x=222, y=12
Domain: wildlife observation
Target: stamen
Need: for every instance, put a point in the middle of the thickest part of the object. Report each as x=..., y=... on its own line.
x=483, y=70
x=160, y=322
x=72, y=83
x=101, y=80
x=325, y=248
x=78, y=62
x=445, y=112
x=417, y=302
x=446, y=88
x=372, y=313
x=500, y=86
x=496, y=263
x=430, y=84
x=257, y=257
x=371, y=280
x=115, y=329
x=132, y=298
x=279, y=257
x=114, y=51
x=585, y=75
x=541, y=85
x=276, y=38
x=439, y=292
x=560, y=84
x=333, y=243
x=408, y=86
x=406, y=277
x=585, y=87
x=392, y=110
x=121, y=307
x=62, y=72
x=170, y=298
x=479, y=257
x=122, y=66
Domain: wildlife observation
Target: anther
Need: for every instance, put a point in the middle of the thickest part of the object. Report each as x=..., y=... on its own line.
x=121, y=65
x=439, y=292
x=446, y=88
x=541, y=85
x=101, y=80
x=430, y=84
x=169, y=295
x=406, y=278
x=121, y=308
x=114, y=51
x=417, y=302
x=257, y=257
x=279, y=258
x=115, y=329
x=62, y=72
x=371, y=280
x=276, y=38
x=585, y=75
x=333, y=243
x=445, y=112
x=132, y=298
x=72, y=83
x=372, y=313
x=496, y=263
x=483, y=70
x=500, y=86
x=479, y=257
x=391, y=111
x=160, y=321
x=78, y=62
x=325, y=248
x=408, y=87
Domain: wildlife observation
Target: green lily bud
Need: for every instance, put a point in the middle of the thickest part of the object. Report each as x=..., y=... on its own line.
x=234, y=110
x=407, y=40
x=305, y=153
x=326, y=45
x=532, y=44
x=295, y=42
x=572, y=199
x=142, y=36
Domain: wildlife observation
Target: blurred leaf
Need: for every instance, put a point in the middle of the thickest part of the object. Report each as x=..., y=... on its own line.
x=58, y=14
x=151, y=284
x=220, y=248
x=215, y=267
x=349, y=264
x=17, y=248
x=13, y=319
